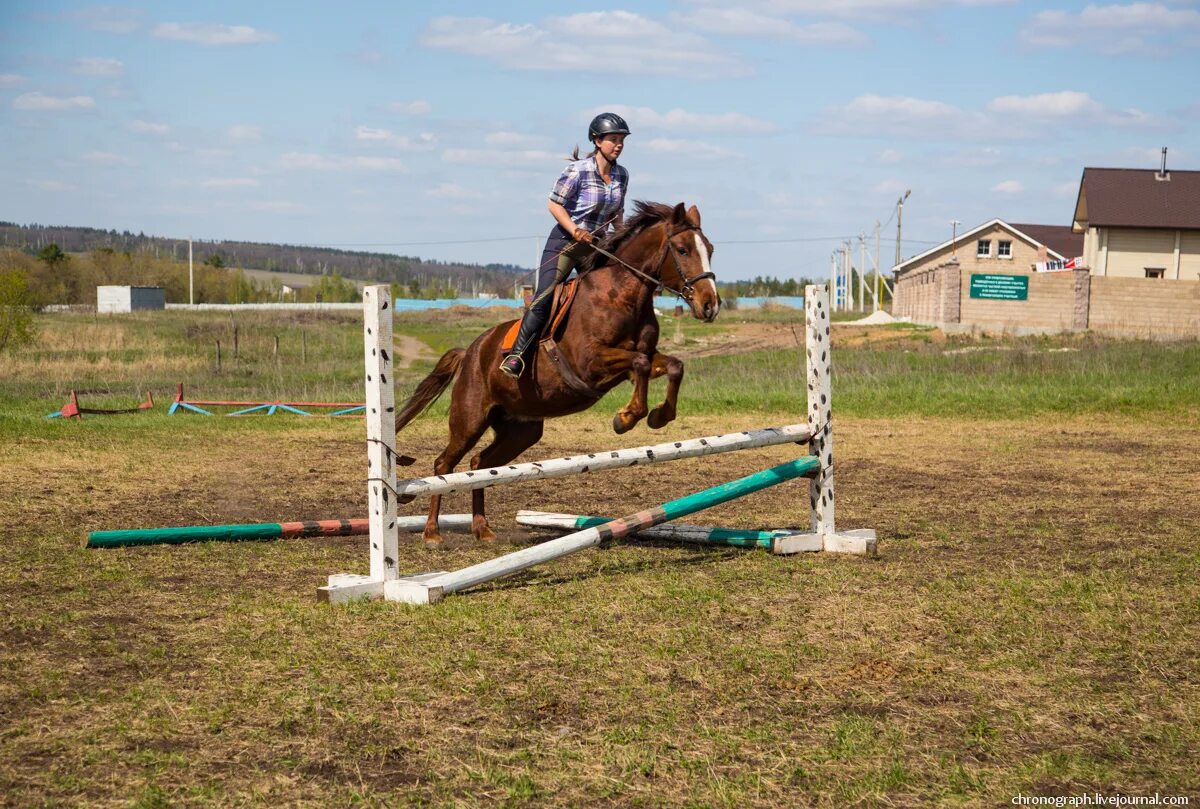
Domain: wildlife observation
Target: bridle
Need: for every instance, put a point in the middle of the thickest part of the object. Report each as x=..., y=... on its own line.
x=688, y=284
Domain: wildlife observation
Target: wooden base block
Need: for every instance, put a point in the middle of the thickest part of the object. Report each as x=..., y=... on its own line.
x=859, y=541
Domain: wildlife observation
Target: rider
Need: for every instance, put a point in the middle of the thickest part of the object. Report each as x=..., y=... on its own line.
x=586, y=200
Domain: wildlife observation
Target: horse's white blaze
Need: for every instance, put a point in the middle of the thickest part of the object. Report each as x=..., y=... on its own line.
x=703, y=251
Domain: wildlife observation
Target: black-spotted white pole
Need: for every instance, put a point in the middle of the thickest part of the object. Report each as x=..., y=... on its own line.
x=381, y=431
x=820, y=409
x=381, y=454
x=819, y=360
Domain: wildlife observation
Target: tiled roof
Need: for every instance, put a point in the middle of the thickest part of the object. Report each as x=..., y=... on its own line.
x=1135, y=198
x=1059, y=238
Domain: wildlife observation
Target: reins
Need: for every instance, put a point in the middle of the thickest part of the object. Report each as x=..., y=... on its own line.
x=659, y=283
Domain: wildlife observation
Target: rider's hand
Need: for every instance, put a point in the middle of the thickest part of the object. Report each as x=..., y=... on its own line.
x=583, y=236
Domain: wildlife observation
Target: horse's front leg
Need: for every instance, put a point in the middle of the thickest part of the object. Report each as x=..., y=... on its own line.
x=673, y=368
x=620, y=362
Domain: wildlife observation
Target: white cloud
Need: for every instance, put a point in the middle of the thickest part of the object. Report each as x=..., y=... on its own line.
x=315, y=162
x=897, y=115
x=1003, y=118
x=1069, y=188
x=425, y=140
x=1066, y=104
x=680, y=120
x=107, y=159
x=742, y=21
x=889, y=187
x=452, y=191
x=871, y=9
x=50, y=185
x=110, y=19
x=1008, y=187
x=98, y=66
x=617, y=41
x=11, y=79
x=1069, y=105
x=1114, y=29
x=514, y=139
x=688, y=148
x=504, y=157
x=244, y=132
x=229, y=182
x=890, y=157
x=41, y=101
x=213, y=34
x=148, y=128
x=278, y=206
x=411, y=107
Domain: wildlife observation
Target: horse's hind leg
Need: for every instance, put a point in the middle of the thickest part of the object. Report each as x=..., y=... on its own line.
x=673, y=367
x=462, y=438
x=512, y=438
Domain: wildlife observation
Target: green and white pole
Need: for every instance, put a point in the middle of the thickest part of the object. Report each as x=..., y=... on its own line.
x=430, y=588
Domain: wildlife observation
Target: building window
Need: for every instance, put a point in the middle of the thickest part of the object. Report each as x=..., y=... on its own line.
x=1004, y=249
x=983, y=248
x=1156, y=272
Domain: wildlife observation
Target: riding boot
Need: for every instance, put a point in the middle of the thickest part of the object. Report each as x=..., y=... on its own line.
x=532, y=324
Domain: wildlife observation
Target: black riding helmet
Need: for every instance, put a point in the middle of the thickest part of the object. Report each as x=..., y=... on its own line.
x=607, y=123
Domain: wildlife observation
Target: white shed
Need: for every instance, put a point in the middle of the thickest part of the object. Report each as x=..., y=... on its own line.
x=110, y=299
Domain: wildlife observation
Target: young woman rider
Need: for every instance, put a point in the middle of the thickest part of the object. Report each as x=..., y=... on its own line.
x=588, y=198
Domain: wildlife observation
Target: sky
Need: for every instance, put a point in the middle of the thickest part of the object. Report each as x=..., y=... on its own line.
x=439, y=129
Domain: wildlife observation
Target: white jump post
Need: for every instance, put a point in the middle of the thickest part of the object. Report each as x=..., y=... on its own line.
x=384, y=492
x=381, y=453
x=819, y=360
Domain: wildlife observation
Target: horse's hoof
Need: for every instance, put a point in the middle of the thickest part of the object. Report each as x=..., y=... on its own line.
x=656, y=420
x=433, y=541
x=486, y=535
x=619, y=425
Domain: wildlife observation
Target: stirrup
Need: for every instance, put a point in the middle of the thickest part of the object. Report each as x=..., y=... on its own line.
x=507, y=369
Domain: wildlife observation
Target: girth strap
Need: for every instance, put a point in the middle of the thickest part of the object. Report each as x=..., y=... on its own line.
x=568, y=373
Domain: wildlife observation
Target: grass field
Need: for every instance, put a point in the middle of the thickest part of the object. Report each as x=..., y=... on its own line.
x=1030, y=626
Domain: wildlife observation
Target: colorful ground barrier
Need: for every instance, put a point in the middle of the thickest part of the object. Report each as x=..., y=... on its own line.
x=72, y=409
x=260, y=531
x=267, y=408
x=384, y=491
x=781, y=542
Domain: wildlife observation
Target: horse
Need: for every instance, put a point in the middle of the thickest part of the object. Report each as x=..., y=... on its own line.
x=611, y=335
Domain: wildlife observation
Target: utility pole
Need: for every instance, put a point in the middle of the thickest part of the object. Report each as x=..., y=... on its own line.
x=191, y=280
x=899, y=220
x=954, y=223
x=850, y=275
x=862, y=268
x=878, y=272
x=833, y=280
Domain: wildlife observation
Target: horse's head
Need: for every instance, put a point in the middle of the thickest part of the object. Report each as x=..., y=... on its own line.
x=686, y=263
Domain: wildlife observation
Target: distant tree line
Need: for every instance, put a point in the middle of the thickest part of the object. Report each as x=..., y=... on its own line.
x=409, y=272
x=765, y=286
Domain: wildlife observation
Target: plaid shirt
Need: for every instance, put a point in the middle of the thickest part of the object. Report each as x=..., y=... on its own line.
x=590, y=201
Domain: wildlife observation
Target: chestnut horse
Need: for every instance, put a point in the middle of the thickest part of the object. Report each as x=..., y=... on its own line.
x=610, y=336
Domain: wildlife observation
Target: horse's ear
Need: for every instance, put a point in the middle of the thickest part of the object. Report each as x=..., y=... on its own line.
x=678, y=215
x=693, y=216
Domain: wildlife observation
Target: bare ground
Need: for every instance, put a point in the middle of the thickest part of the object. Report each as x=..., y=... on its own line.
x=1030, y=626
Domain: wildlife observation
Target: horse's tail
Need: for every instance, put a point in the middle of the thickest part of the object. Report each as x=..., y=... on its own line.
x=431, y=387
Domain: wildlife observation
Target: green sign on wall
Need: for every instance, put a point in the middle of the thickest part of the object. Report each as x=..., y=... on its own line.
x=1000, y=287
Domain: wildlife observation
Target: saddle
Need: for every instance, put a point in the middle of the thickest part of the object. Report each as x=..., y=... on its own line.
x=564, y=296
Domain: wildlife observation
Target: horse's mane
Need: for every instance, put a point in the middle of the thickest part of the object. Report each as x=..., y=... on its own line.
x=645, y=214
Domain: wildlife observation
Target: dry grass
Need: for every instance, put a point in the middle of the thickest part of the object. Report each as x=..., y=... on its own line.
x=1031, y=626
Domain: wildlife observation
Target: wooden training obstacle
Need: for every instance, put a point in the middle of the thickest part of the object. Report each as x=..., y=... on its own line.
x=385, y=492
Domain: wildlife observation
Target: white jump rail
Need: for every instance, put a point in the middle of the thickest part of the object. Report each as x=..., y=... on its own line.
x=384, y=491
